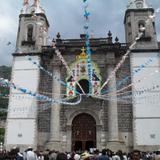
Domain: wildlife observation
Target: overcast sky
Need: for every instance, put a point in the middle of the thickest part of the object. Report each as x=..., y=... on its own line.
x=66, y=17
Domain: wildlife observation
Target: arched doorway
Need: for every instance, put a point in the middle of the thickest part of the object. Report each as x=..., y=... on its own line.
x=83, y=132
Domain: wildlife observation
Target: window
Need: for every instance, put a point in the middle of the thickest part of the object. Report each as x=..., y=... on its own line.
x=141, y=26
x=142, y=29
x=154, y=27
x=30, y=33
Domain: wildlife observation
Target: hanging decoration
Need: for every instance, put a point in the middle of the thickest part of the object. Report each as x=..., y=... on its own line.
x=125, y=79
x=132, y=85
x=128, y=97
x=88, y=50
x=50, y=74
x=140, y=34
x=59, y=55
x=80, y=71
x=122, y=60
x=85, y=69
x=37, y=95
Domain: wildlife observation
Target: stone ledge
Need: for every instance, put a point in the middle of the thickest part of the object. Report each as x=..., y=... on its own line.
x=116, y=145
x=56, y=145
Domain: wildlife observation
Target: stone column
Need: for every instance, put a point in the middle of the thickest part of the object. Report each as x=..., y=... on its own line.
x=114, y=142
x=54, y=141
x=112, y=108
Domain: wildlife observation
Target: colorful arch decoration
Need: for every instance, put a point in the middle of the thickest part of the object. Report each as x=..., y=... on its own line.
x=79, y=70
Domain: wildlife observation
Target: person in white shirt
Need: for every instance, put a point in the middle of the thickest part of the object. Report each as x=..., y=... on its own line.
x=30, y=155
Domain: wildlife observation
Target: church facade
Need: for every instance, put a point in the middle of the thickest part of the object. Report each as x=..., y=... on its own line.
x=125, y=114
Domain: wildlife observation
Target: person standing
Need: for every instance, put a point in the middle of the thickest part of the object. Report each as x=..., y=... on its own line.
x=104, y=156
x=30, y=155
x=19, y=156
x=136, y=155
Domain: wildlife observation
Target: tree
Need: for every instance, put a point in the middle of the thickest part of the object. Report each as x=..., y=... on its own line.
x=2, y=133
x=5, y=72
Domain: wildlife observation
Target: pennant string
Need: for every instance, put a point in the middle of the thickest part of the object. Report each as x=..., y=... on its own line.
x=59, y=55
x=88, y=50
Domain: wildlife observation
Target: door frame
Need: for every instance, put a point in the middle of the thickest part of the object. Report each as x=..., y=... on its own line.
x=71, y=115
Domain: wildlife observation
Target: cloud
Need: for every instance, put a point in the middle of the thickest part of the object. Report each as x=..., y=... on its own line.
x=8, y=29
x=66, y=17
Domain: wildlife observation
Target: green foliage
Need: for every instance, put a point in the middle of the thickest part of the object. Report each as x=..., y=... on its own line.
x=5, y=72
x=2, y=133
x=3, y=115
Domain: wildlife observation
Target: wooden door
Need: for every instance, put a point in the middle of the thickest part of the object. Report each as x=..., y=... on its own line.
x=83, y=132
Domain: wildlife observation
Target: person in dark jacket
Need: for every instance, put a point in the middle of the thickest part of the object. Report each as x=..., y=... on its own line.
x=19, y=156
x=61, y=156
x=103, y=156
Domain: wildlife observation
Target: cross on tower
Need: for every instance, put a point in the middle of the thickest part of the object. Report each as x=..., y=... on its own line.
x=26, y=2
x=36, y=2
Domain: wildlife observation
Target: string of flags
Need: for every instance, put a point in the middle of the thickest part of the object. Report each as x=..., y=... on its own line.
x=88, y=49
x=137, y=96
x=133, y=84
x=50, y=74
x=121, y=61
x=140, y=34
x=37, y=95
x=59, y=55
x=87, y=43
x=125, y=79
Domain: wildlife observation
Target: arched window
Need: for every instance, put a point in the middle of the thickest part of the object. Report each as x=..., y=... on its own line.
x=30, y=33
x=154, y=29
x=141, y=26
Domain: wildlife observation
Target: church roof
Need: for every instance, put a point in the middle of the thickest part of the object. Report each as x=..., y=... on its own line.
x=96, y=44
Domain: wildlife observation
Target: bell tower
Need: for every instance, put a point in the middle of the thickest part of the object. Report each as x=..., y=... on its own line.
x=33, y=28
x=139, y=18
x=21, y=127
x=144, y=60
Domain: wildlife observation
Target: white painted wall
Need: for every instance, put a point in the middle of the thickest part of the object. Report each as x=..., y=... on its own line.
x=22, y=106
x=146, y=106
x=26, y=79
x=21, y=132
x=21, y=122
x=147, y=131
x=22, y=63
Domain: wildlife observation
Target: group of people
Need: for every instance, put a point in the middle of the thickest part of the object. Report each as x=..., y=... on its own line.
x=105, y=154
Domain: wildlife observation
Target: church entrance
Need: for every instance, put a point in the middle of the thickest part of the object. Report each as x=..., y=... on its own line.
x=83, y=132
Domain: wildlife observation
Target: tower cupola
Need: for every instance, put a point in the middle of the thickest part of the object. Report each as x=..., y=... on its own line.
x=34, y=8
x=137, y=4
x=33, y=28
x=137, y=20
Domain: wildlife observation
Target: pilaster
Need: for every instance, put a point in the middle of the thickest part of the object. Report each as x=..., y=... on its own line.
x=54, y=141
x=114, y=142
